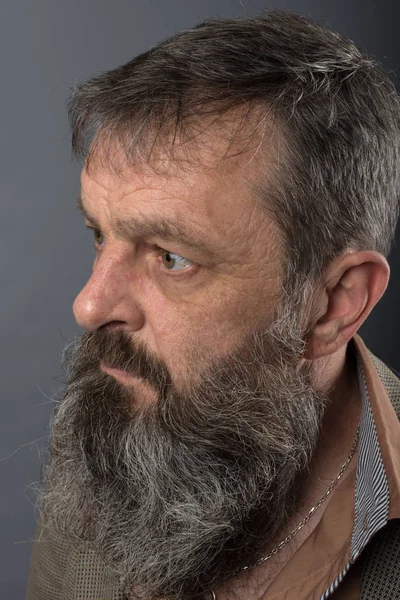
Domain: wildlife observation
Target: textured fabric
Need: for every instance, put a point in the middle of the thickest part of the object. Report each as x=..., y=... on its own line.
x=48, y=566
x=380, y=579
x=62, y=572
x=390, y=380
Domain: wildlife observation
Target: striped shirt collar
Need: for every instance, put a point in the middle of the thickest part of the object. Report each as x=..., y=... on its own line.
x=372, y=500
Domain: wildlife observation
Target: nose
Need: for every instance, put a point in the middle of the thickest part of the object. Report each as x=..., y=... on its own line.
x=110, y=295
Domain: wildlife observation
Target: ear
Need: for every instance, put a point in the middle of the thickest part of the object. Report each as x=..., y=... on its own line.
x=351, y=286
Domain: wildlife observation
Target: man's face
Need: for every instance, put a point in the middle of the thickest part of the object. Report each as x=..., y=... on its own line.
x=188, y=413
x=198, y=269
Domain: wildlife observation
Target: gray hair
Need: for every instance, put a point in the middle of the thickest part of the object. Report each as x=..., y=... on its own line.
x=337, y=110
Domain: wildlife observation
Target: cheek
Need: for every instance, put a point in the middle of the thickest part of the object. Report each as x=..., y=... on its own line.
x=211, y=324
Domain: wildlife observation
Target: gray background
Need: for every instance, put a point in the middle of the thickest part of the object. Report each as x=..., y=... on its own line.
x=45, y=253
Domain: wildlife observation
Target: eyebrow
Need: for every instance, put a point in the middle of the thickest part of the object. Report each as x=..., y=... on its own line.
x=158, y=226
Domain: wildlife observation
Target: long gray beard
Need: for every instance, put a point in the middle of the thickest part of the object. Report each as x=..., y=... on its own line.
x=176, y=496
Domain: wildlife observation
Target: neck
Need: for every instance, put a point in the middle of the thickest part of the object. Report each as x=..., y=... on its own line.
x=336, y=377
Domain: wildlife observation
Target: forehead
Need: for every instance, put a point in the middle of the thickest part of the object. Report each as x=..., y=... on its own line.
x=203, y=190
x=207, y=158
x=218, y=176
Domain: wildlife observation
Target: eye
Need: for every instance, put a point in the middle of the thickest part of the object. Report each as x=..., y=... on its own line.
x=98, y=236
x=174, y=262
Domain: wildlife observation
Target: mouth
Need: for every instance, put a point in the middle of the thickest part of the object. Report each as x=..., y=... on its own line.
x=121, y=376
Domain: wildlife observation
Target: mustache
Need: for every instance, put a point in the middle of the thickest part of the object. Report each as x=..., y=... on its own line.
x=115, y=350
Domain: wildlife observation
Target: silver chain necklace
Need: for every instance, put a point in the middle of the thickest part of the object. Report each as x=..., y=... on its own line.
x=291, y=535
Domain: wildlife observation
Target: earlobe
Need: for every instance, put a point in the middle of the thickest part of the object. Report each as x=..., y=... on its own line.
x=319, y=345
x=354, y=284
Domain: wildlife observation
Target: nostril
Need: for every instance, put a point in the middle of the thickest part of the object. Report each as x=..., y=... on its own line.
x=112, y=326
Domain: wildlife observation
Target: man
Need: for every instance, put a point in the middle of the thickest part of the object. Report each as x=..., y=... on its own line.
x=224, y=432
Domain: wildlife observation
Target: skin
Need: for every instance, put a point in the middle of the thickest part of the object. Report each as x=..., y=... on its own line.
x=217, y=300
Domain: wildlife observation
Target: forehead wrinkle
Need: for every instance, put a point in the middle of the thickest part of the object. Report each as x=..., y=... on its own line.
x=150, y=226
x=84, y=211
x=147, y=226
